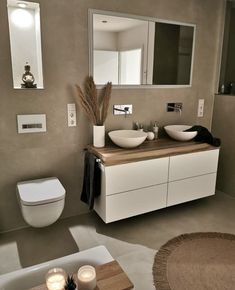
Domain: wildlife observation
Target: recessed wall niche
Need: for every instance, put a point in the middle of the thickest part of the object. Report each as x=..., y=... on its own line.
x=25, y=42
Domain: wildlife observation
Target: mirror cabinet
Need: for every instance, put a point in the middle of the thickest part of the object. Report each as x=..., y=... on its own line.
x=134, y=50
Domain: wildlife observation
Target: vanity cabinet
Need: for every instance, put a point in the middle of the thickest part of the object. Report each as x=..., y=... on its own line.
x=133, y=188
x=135, y=202
x=191, y=188
x=131, y=176
x=192, y=176
x=141, y=186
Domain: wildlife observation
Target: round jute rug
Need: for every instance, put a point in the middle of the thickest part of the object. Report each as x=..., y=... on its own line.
x=197, y=261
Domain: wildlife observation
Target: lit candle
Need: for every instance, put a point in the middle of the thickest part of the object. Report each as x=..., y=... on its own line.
x=86, y=278
x=56, y=279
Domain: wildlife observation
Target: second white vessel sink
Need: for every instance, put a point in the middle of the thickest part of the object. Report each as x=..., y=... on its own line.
x=177, y=132
x=127, y=138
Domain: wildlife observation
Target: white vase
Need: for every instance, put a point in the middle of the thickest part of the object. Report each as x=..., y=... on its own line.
x=98, y=136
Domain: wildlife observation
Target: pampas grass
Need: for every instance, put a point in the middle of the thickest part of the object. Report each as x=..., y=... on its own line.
x=95, y=108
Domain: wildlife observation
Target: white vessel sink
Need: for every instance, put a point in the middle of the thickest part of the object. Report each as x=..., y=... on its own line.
x=127, y=138
x=177, y=132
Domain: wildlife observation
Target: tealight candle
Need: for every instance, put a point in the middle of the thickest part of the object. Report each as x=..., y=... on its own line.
x=56, y=279
x=86, y=278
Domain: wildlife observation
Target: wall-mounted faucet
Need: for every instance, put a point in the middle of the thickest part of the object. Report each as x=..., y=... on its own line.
x=122, y=110
x=174, y=107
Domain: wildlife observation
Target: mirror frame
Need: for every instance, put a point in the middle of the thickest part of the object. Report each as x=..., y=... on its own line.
x=91, y=12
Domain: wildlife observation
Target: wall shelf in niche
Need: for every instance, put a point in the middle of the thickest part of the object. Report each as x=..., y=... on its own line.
x=25, y=43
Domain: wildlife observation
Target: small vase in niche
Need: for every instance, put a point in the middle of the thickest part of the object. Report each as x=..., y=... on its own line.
x=28, y=78
x=98, y=136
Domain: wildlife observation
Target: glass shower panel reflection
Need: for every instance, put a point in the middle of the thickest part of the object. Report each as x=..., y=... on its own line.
x=172, y=59
x=130, y=67
x=105, y=67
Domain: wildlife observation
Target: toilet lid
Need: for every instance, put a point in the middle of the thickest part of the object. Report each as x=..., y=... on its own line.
x=40, y=191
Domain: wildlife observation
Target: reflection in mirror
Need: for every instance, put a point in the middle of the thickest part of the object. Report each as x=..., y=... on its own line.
x=25, y=39
x=119, y=50
x=131, y=51
x=173, y=46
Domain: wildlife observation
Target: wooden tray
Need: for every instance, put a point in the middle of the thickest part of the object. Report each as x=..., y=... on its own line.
x=109, y=276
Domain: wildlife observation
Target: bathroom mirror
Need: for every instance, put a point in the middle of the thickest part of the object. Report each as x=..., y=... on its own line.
x=25, y=42
x=139, y=51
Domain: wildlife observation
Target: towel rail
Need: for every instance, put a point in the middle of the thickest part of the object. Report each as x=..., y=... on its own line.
x=98, y=160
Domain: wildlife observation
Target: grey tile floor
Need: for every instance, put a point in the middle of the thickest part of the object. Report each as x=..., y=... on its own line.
x=133, y=242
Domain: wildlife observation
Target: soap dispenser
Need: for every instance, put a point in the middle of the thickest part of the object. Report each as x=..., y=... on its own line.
x=155, y=130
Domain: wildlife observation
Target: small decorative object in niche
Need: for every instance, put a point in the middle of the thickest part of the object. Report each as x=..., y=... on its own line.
x=28, y=78
x=25, y=43
x=95, y=108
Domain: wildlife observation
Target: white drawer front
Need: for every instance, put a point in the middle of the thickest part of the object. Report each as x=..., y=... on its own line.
x=191, y=188
x=127, y=204
x=130, y=176
x=193, y=164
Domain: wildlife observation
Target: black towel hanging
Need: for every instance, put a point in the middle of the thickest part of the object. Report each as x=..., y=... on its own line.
x=91, y=180
x=204, y=135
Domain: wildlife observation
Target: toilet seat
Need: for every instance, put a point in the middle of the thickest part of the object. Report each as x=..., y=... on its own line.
x=40, y=191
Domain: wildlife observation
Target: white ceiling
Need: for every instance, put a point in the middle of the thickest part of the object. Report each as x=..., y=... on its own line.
x=114, y=23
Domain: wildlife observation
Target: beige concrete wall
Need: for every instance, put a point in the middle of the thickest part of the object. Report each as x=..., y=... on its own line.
x=223, y=126
x=59, y=152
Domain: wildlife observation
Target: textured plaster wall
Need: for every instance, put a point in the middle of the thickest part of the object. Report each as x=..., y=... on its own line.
x=59, y=151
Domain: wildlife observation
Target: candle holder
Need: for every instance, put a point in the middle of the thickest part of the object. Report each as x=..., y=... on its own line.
x=86, y=278
x=56, y=279
x=70, y=283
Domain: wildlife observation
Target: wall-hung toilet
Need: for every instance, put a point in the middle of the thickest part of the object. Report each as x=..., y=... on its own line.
x=41, y=201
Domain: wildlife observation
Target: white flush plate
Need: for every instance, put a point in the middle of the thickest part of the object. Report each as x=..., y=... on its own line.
x=31, y=123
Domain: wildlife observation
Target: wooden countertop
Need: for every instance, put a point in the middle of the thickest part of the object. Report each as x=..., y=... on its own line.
x=113, y=155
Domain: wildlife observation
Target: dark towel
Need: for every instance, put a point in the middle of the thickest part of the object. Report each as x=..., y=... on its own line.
x=91, y=180
x=204, y=135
